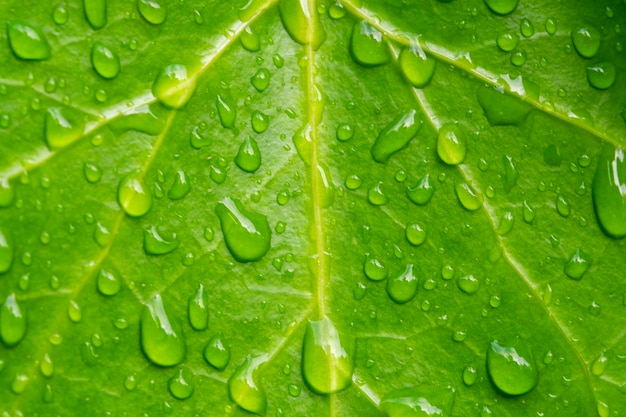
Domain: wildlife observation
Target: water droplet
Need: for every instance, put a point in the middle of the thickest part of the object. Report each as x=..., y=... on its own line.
x=59, y=15
x=247, y=234
x=336, y=11
x=217, y=174
x=395, y=136
x=108, y=283
x=173, y=86
x=261, y=80
x=599, y=365
x=250, y=40
x=302, y=22
x=156, y=244
x=227, y=111
x=12, y=321
x=512, y=369
x=105, y=61
x=74, y=312
x=248, y=157
x=92, y=173
x=563, y=206
x=376, y=196
x=294, y=390
x=367, y=45
x=162, y=339
x=327, y=357
x=6, y=252
x=601, y=75
x=526, y=27
x=468, y=197
x=506, y=223
x=552, y=155
x=551, y=26
x=243, y=387
x=586, y=41
x=96, y=13
x=133, y=196
x=603, y=409
x=130, y=383
x=260, y=121
x=324, y=186
x=502, y=108
x=451, y=146
x=303, y=142
x=7, y=194
x=60, y=130
x=198, y=309
x=102, y=235
x=278, y=60
x=153, y=11
x=353, y=182
x=180, y=187
x=422, y=192
x=469, y=376
x=344, y=132
x=501, y=7
x=27, y=42
x=609, y=192
x=181, y=384
x=507, y=41
x=217, y=352
x=510, y=173
x=415, y=234
x=577, y=265
x=417, y=66
x=403, y=288
x=468, y=284
x=418, y=401
x=19, y=383
x=46, y=366
x=518, y=58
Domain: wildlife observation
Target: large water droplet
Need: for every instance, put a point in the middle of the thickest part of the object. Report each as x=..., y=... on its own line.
x=601, y=75
x=468, y=284
x=374, y=269
x=12, y=321
x=468, y=197
x=422, y=192
x=248, y=157
x=7, y=193
x=587, y=41
x=156, y=244
x=577, y=265
x=609, y=192
x=153, y=11
x=108, y=283
x=325, y=188
x=302, y=22
x=217, y=352
x=27, y=42
x=415, y=234
x=198, y=309
x=96, y=13
x=250, y=40
x=104, y=61
x=418, y=401
x=6, y=252
x=181, y=384
x=60, y=130
x=173, y=86
x=261, y=79
x=526, y=27
x=247, y=234
x=599, y=365
x=367, y=45
x=133, y=195
x=162, y=339
x=507, y=41
x=304, y=143
x=451, y=146
x=260, y=122
x=417, y=66
x=327, y=357
x=403, y=288
x=502, y=108
x=512, y=369
x=227, y=110
x=376, y=195
x=180, y=187
x=501, y=7
x=395, y=136
x=243, y=387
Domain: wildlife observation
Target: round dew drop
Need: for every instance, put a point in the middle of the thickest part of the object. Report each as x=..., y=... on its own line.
x=502, y=7
x=414, y=234
x=181, y=384
x=468, y=284
x=507, y=41
x=376, y=196
x=417, y=66
x=153, y=11
x=451, y=146
x=344, y=132
x=511, y=369
x=108, y=283
x=248, y=157
x=260, y=121
x=422, y=192
x=104, y=61
x=601, y=75
x=403, y=288
x=133, y=196
x=27, y=42
x=587, y=41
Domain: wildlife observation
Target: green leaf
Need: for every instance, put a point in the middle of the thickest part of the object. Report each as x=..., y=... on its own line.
x=312, y=208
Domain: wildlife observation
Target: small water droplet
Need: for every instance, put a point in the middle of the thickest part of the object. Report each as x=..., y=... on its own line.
x=601, y=75
x=403, y=288
x=133, y=195
x=217, y=352
x=577, y=265
x=19, y=383
x=367, y=45
x=563, y=206
x=12, y=321
x=180, y=187
x=156, y=244
x=510, y=173
x=468, y=284
x=59, y=15
x=374, y=269
x=587, y=41
x=422, y=192
x=27, y=42
x=417, y=66
x=130, y=383
x=7, y=194
x=345, y=132
x=46, y=366
x=96, y=13
x=243, y=387
x=603, y=409
x=507, y=41
x=108, y=283
x=152, y=10
x=512, y=369
x=162, y=338
x=395, y=136
x=248, y=157
x=599, y=365
x=278, y=60
x=469, y=376
x=376, y=196
x=261, y=79
x=74, y=312
x=353, y=182
x=181, y=384
x=526, y=28
x=105, y=61
x=550, y=26
x=336, y=11
x=92, y=173
x=247, y=234
x=198, y=309
x=518, y=58
x=451, y=146
x=506, y=223
x=101, y=235
x=173, y=86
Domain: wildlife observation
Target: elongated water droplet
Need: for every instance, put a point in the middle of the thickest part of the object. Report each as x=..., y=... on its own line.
x=217, y=352
x=198, y=309
x=92, y=173
x=502, y=108
x=422, y=192
x=162, y=338
x=395, y=136
x=551, y=26
x=180, y=187
x=250, y=40
x=303, y=142
x=469, y=376
x=418, y=401
x=501, y=7
x=104, y=61
x=133, y=195
x=173, y=86
x=260, y=122
x=587, y=41
x=327, y=357
x=249, y=156
x=577, y=265
x=403, y=288
x=96, y=13
x=6, y=252
x=261, y=79
x=7, y=193
x=603, y=409
x=27, y=42
x=12, y=321
x=468, y=197
x=247, y=234
x=243, y=387
x=46, y=366
x=302, y=22
x=510, y=173
x=526, y=27
x=507, y=221
x=153, y=11
x=181, y=384
x=512, y=369
x=417, y=66
x=367, y=45
x=601, y=75
x=19, y=383
x=562, y=206
x=226, y=110
x=60, y=129
x=108, y=283
x=155, y=244
x=468, y=284
x=609, y=192
x=599, y=365
x=451, y=146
